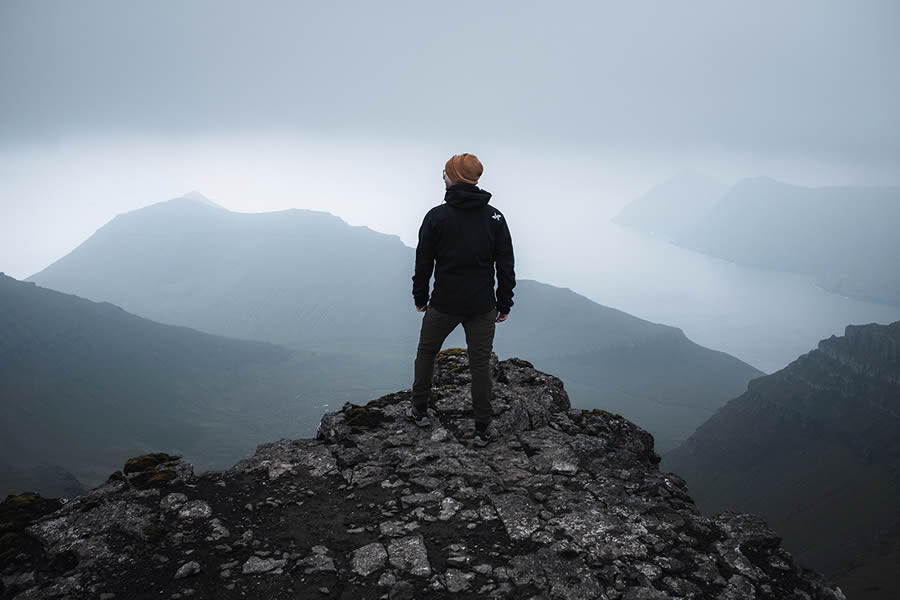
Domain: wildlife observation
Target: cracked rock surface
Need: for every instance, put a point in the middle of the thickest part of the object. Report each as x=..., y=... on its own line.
x=565, y=504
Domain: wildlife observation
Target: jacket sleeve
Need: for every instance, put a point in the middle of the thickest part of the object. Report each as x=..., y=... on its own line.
x=424, y=262
x=505, y=265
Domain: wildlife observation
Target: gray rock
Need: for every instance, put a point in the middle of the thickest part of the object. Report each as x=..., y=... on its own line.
x=172, y=501
x=568, y=505
x=195, y=509
x=456, y=581
x=425, y=499
x=88, y=533
x=18, y=581
x=255, y=564
x=368, y=559
x=283, y=456
x=449, y=507
x=187, y=569
x=402, y=590
x=409, y=554
x=316, y=563
x=519, y=515
x=219, y=531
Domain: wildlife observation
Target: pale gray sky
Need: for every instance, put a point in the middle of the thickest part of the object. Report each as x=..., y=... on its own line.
x=809, y=77
x=353, y=107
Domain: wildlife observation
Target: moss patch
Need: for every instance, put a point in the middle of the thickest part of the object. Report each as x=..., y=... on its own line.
x=390, y=399
x=599, y=412
x=451, y=353
x=146, y=462
x=520, y=362
x=154, y=478
x=363, y=416
x=16, y=513
x=24, y=508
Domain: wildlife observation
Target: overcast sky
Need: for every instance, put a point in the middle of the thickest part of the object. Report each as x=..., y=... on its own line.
x=817, y=77
x=354, y=106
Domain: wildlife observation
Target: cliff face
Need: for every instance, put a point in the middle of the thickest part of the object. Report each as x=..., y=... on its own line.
x=814, y=448
x=565, y=504
x=871, y=351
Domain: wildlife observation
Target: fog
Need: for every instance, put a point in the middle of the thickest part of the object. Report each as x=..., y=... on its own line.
x=353, y=109
x=813, y=78
x=558, y=203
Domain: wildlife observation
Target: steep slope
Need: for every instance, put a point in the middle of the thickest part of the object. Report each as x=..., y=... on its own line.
x=650, y=373
x=566, y=504
x=83, y=385
x=813, y=448
x=308, y=280
x=873, y=575
x=845, y=236
x=673, y=207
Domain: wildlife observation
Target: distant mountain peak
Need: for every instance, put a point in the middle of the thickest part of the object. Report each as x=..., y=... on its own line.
x=673, y=206
x=198, y=197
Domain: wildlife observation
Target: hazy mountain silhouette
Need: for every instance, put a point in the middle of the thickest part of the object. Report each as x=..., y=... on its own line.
x=296, y=277
x=673, y=207
x=845, y=236
x=83, y=384
x=813, y=448
x=308, y=280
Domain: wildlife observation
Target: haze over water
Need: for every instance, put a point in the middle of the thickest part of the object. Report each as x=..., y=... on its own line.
x=765, y=318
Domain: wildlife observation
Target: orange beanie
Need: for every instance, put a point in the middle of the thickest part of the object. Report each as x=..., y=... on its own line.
x=464, y=167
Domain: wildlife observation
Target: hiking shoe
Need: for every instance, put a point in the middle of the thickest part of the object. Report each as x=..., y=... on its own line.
x=483, y=437
x=420, y=419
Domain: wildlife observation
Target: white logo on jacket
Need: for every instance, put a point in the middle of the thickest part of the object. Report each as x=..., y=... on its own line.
x=497, y=216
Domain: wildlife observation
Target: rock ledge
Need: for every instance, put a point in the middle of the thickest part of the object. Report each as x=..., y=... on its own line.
x=567, y=504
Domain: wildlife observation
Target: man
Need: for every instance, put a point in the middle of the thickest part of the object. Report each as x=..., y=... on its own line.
x=461, y=241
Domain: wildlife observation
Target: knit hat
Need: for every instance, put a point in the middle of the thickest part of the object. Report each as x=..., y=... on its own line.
x=464, y=167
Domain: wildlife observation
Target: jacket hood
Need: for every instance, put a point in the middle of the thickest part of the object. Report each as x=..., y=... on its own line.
x=466, y=195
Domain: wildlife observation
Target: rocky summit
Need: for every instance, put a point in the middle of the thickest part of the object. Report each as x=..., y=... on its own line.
x=565, y=504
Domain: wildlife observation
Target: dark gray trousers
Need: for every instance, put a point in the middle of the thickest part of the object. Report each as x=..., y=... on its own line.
x=436, y=326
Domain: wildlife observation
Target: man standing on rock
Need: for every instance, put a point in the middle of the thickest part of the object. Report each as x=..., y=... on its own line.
x=462, y=241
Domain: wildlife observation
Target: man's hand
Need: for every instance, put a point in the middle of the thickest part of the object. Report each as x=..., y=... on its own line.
x=421, y=308
x=502, y=317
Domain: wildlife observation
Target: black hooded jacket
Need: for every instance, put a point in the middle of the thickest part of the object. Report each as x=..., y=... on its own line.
x=461, y=241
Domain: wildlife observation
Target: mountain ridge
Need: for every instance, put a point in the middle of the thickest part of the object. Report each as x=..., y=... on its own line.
x=844, y=236
x=673, y=206
x=817, y=442
x=103, y=383
x=311, y=282
x=566, y=503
